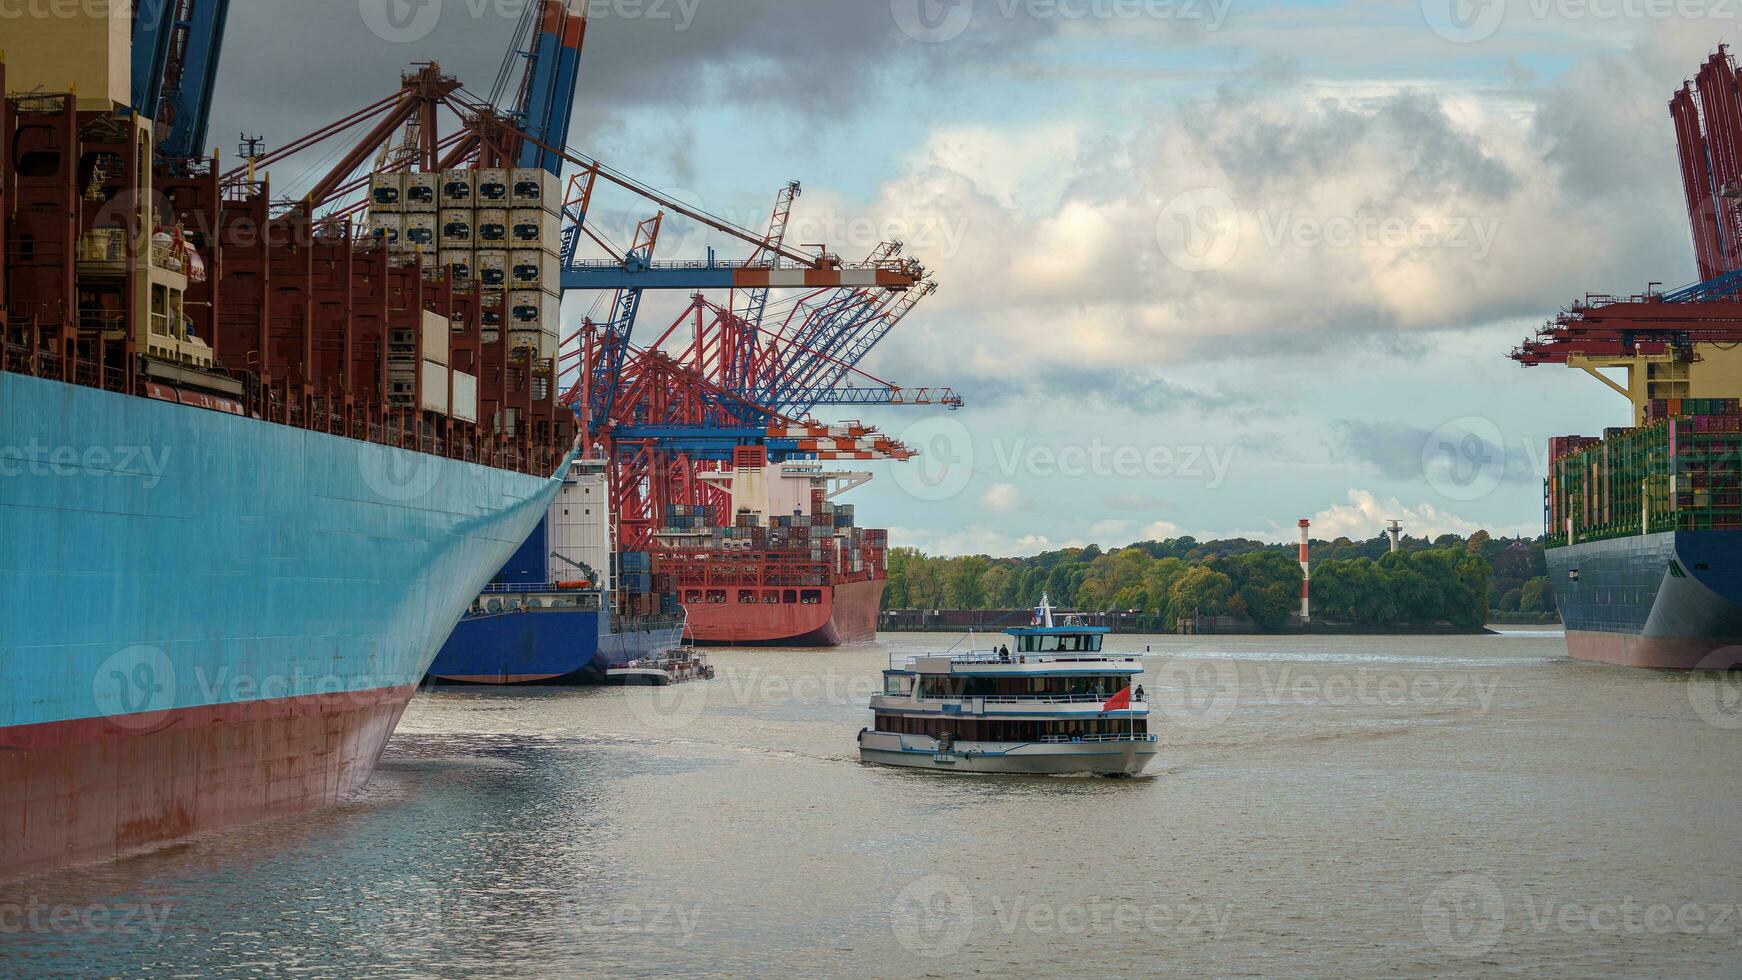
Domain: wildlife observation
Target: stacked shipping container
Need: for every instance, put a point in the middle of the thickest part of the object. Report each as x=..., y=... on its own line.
x=818, y=548
x=1679, y=471
x=497, y=227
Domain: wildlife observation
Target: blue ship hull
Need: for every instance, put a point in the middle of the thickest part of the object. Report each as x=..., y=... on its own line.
x=207, y=619
x=547, y=646
x=1670, y=600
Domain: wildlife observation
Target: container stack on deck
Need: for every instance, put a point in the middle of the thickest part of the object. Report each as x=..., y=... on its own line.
x=497, y=228
x=820, y=548
x=1679, y=471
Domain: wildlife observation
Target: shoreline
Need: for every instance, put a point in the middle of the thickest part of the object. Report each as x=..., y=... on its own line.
x=952, y=621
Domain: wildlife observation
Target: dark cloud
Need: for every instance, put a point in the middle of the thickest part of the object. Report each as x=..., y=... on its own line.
x=291, y=66
x=1403, y=452
x=1138, y=393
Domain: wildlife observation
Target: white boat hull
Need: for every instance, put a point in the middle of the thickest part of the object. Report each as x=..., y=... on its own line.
x=1101, y=758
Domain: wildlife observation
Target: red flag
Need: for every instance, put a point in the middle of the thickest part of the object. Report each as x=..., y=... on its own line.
x=1118, y=701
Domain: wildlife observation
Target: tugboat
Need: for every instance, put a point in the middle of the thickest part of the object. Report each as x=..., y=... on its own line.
x=1055, y=704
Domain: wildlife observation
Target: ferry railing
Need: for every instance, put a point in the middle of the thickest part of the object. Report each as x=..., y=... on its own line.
x=1028, y=698
x=1017, y=659
x=1122, y=737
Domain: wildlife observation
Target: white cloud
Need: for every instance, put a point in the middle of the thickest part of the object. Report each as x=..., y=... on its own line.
x=1377, y=206
x=1004, y=498
x=977, y=540
x=1365, y=515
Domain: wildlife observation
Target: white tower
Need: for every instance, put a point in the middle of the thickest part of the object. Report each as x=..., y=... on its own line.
x=1306, y=574
x=1394, y=531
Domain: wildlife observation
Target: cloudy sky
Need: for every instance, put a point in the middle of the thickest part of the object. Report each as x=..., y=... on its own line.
x=1205, y=266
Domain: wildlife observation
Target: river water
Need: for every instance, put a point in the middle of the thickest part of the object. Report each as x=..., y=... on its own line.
x=1321, y=806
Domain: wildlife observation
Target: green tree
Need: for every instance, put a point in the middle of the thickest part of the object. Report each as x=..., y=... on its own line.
x=998, y=587
x=962, y=582
x=1201, y=590
x=1267, y=584
x=1537, y=596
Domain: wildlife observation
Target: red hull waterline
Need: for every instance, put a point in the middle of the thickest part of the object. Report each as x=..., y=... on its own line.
x=100, y=788
x=846, y=614
x=1655, y=653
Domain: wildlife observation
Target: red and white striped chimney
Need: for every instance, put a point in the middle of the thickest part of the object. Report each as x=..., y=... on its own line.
x=1306, y=574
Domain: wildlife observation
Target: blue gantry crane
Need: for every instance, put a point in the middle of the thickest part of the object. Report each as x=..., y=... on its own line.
x=176, y=44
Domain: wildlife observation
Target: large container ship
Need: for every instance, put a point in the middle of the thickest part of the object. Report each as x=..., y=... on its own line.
x=1643, y=530
x=566, y=608
x=1643, y=526
x=256, y=467
x=788, y=567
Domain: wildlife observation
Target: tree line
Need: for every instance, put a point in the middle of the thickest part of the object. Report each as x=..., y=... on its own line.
x=1450, y=579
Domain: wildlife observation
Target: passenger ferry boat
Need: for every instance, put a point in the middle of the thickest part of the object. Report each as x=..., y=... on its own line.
x=1055, y=703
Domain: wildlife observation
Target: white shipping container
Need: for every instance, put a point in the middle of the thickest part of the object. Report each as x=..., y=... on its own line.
x=526, y=269
x=526, y=309
x=491, y=187
x=434, y=389
x=420, y=232
x=493, y=268
x=542, y=341
x=492, y=227
x=420, y=191
x=436, y=331
x=465, y=406
x=462, y=265
x=457, y=188
x=534, y=187
x=386, y=228
x=456, y=229
x=526, y=228
x=386, y=192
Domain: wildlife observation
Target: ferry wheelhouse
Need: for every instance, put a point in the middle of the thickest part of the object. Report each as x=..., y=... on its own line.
x=1048, y=701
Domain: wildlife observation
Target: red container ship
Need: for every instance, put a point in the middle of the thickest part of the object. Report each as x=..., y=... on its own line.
x=789, y=569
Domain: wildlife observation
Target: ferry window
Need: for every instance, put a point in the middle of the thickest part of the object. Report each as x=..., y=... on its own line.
x=771, y=597
x=716, y=595
x=810, y=597
x=693, y=595
x=789, y=597
x=746, y=597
